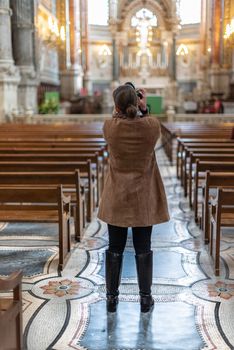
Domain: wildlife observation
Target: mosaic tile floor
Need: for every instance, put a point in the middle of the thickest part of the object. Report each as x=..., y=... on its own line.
x=193, y=309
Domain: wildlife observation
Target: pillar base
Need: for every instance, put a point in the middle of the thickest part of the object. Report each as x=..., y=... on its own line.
x=171, y=94
x=203, y=90
x=88, y=83
x=9, y=80
x=27, y=90
x=220, y=80
x=71, y=82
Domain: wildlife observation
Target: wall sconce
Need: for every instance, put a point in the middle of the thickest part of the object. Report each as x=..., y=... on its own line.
x=182, y=50
x=103, y=56
x=104, y=51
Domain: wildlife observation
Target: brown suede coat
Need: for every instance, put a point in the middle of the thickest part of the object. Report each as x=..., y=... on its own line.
x=133, y=194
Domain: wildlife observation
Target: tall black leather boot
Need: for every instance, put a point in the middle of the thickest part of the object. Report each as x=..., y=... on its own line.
x=144, y=264
x=113, y=275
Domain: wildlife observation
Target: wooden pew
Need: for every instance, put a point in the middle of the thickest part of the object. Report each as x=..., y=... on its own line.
x=86, y=173
x=96, y=160
x=202, y=157
x=50, y=143
x=187, y=156
x=227, y=148
x=11, y=324
x=200, y=173
x=222, y=215
x=71, y=186
x=39, y=204
x=213, y=180
x=75, y=142
x=198, y=143
x=66, y=149
x=170, y=131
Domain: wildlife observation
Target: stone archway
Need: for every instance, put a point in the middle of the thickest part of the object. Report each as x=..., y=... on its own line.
x=164, y=10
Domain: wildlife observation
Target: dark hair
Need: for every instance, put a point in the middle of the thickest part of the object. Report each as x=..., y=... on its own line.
x=130, y=84
x=125, y=99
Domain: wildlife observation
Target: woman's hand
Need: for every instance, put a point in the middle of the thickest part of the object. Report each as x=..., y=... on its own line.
x=142, y=101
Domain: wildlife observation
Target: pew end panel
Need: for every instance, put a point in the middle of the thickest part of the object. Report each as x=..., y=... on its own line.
x=221, y=215
x=11, y=324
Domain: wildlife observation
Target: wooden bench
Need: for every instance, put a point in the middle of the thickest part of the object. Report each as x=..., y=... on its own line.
x=170, y=131
x=198, y=143
x=202, y=157
x=202, y=150
x=96, y=160
x=44, y=142
x=222, y=215
x=46, y=204
x=85, y=168
x=213, y=180
x=11, y=325
x=71, y=186
x=200, y=173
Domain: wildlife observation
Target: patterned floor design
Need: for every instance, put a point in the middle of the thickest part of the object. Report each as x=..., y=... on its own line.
x=193, y=309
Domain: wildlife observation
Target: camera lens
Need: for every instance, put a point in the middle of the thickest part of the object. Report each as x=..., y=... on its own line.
x=139, y=94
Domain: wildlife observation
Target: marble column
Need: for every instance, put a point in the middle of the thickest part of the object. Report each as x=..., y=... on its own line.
x=203, y=89
x=219, y=76
x=9, y=75
x=173, y=58
x=115, y=62
x=75, y=40
x=24, y=55
x=172, y=89
x=71, y=76
x=85, y=45
x=113, y=9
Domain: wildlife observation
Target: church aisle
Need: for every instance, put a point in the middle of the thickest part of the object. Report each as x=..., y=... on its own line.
x=193, y=308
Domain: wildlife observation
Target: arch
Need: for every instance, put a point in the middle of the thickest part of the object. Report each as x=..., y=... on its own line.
x=128, y=10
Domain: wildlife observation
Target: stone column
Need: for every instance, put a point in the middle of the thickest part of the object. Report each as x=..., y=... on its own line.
x=115, y=68
x=75, y=42
x=173, y=58
x=71, y=77
x=172, y=89
x=217, y=17
x=9, y=75
x=23, y=49
x=219, y=76
x=113, y=9
x=85, y=45
x=203, y=89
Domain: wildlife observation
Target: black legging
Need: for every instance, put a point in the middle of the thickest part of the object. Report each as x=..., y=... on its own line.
x=118, y=238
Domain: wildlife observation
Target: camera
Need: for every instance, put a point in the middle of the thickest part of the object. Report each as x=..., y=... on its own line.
x=138, y=92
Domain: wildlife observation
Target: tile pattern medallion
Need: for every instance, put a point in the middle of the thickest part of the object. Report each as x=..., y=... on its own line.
x=194, y=310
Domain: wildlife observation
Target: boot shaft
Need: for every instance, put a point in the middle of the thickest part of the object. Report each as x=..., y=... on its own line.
x=144, y=265
x=113, y=272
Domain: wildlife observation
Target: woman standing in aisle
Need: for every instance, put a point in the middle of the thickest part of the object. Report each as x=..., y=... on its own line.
x=133, y=194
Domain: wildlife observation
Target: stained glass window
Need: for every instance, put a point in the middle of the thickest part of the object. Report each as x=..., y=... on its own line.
x=98, y=11
x=190, y=11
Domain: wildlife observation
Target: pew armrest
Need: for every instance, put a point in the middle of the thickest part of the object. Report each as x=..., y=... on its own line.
x=11, y=282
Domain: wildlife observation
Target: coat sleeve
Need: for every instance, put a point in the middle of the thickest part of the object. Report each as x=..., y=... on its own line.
x=156, y=127
x=105, y=130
